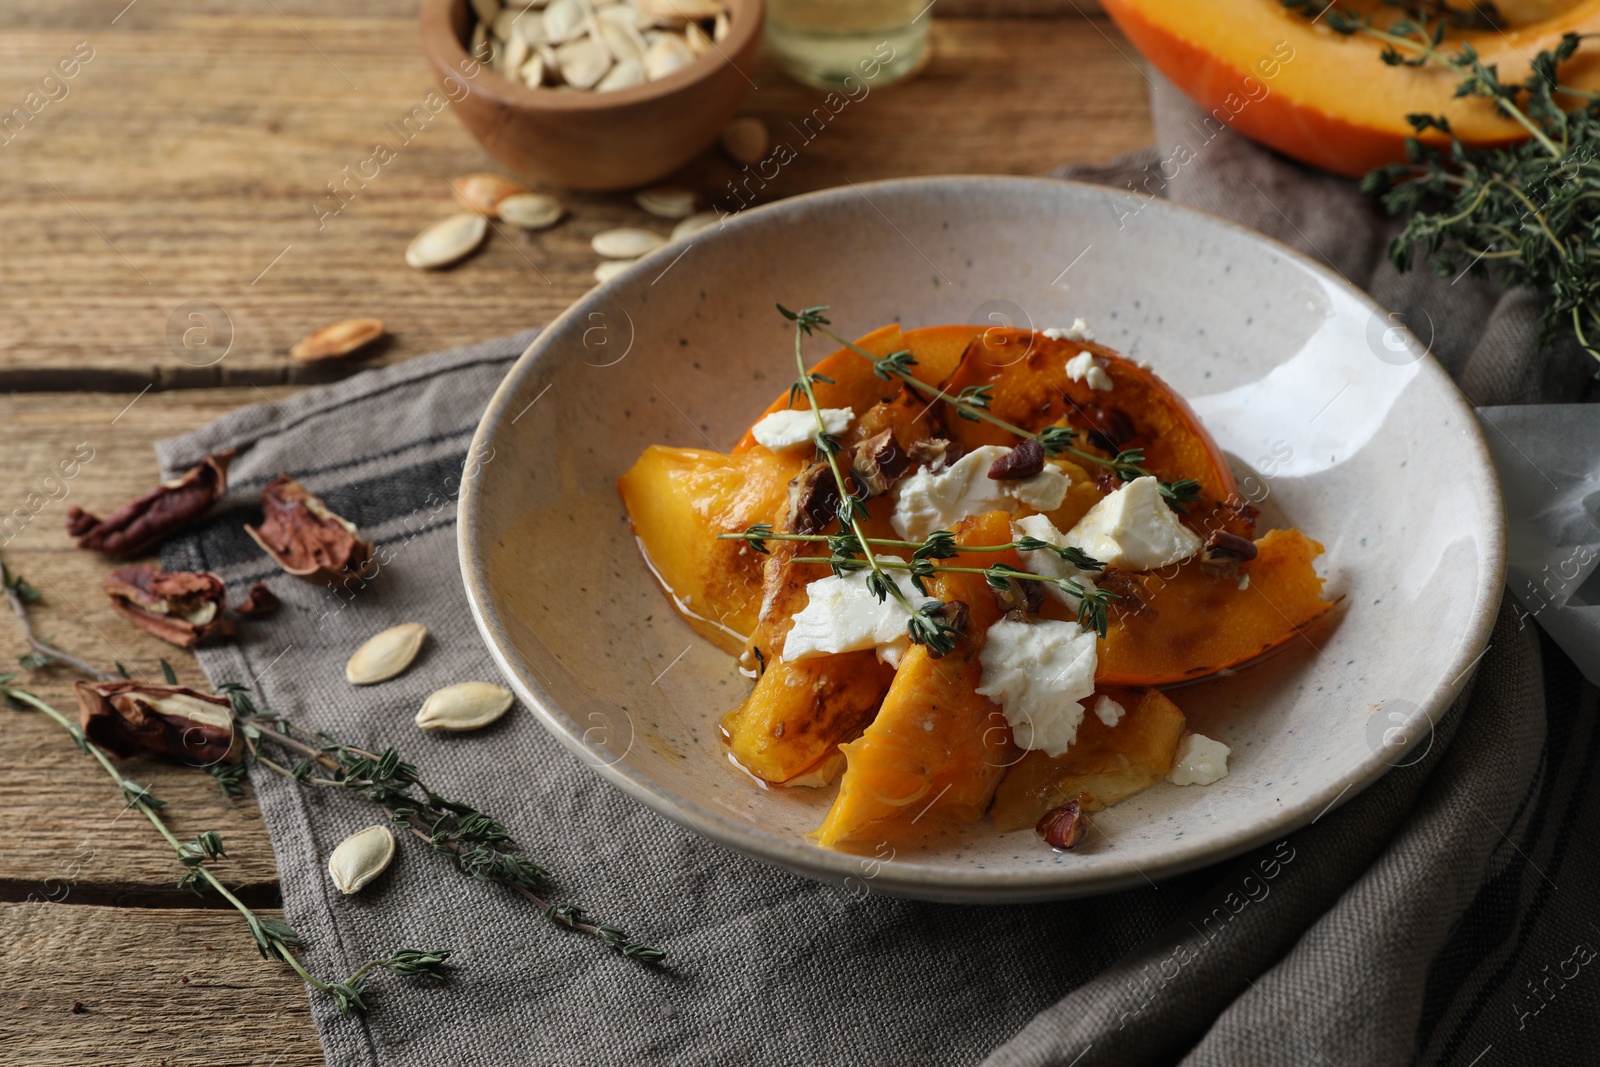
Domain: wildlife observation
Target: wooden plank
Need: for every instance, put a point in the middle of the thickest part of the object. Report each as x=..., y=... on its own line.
x=180, y=988
x=69, y=837
x=141, y=191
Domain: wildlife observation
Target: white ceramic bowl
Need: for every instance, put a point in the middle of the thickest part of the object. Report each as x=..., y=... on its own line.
x=1337, y=421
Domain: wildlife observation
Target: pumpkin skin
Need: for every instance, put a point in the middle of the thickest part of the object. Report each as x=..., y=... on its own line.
x=936, y=749
x=678, y=500
x=1106, y=764
x=1326, y=99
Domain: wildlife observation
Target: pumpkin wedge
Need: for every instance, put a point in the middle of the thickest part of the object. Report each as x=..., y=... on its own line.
x=937, y=350
x=1182, y=627
x=800, y=710
x=678, y=500
x=1326, y=99
x=936, y=749
x=1026, y=378
x=1106, y=764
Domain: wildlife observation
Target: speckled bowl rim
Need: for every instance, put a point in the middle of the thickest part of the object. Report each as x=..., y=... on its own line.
x=919, y=880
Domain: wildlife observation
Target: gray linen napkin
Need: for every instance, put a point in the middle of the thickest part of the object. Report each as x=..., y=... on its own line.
x=1435, y=918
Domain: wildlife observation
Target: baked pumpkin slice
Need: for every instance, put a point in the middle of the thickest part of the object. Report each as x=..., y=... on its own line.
x=935, y=751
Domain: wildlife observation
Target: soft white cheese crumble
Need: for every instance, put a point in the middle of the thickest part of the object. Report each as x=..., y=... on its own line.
x=1109, y=711
x=1199, y=761
x=843, y=615
x=926, y=501
x=1048, y=564
x=1134, y=530
x=1039, y=673
x=796, y=426
x=1082, y=367
x=1078, y=331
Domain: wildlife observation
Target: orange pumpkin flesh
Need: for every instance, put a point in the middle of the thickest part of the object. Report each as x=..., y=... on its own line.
x=679, y=499
x=799, y=711
x=936, y=750
x=1327, y=99
x=1106, y=764
x=1194, y=624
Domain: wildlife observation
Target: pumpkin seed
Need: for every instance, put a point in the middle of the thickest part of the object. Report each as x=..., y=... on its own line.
x=486, y=10
x=532, y=74
x=625, y=75
x=360, y=858
x=666, y=201
x=678, y=12
x=719, y=29
x=464, y=706
x=626, y=243
x=669, y=53
x=745, y=140
x=694, y=224
x=531, y=211
x=562, y=20
x=337, y=340
x=483, y=192
x=446, y=241
x=696, y=39
x=583, y=62
x=386, y=654
x=623, y=42
x=604, y=272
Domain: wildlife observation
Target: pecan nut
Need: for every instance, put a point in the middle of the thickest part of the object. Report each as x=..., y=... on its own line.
x=1021, y=595
x=1063, y=827
x=258, y=603
x=1023, y=461
x=306, y=539
x=1109, y=428
x=877, y=462
x=140, y=524
x=128, y=718
x=182, y=607
x=813, y=500
x=1223, y=552
x=935, y=453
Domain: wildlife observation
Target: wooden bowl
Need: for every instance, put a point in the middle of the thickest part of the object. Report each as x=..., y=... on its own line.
x=588, y=140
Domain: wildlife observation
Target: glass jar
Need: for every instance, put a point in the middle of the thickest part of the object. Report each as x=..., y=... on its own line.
x=824, y=42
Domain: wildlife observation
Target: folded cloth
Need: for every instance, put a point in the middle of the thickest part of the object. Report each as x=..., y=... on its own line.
x=1432, y=917
x=1442, y=916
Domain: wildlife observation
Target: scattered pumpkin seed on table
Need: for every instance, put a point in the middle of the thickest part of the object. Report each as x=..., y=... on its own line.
x=464, y=706
x=666, y=201
x=604, y=272
x=447, y=241
x=484, y=192
x=531, y=211
x=337, y=340
x=360, y=858
x=385, y=654
x=626, y=242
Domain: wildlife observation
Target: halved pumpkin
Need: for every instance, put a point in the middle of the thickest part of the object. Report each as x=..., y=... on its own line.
x=936, y=749
x=1176, y=629
x=678, y=500
x=1104, y=765
x=1327, y=99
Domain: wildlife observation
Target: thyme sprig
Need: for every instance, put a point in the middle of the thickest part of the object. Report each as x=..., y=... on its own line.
x=941, y=544
x=972, y=404
x=1531, y=209
x=274, y=939
x=923, y=627
x=476, y=844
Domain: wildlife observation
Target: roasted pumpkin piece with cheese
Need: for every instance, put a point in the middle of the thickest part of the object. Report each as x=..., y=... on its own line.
x=936, y=749
x=1108, y=762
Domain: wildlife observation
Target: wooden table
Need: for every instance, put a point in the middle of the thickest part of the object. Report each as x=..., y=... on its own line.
x=183, y=165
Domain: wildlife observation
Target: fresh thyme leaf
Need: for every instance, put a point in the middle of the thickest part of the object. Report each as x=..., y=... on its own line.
x=17, y=584
x=1057, y=439
x=229, y=776
x=1531, y=210
x=123, y=671
x=34, y=660
x=757, y=536
x=1183, y=491
x=168, y=673
x=894, y=364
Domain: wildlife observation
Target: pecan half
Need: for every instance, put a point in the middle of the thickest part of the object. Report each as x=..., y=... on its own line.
x=182, y=607
x=935, y=453
x=1223, y=552
x=1109, y=428
x=813, y=500
x=1023, y=461
x=128, y=718
x=1063, y=827
x=306, y=539
x=140, y=524
x=877, y=462
x=1021, y=595
x=257, y=603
